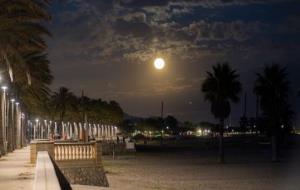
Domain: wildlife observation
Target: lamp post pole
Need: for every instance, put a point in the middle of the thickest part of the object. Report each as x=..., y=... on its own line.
x=162, y=122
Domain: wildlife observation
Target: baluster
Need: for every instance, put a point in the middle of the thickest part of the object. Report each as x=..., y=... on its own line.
x=59, y=152
x=80, y=152
x=86, y=152
x=72, y=152
x=68, y=152
x=64, y=152
x=77, y=152
x=94, y=154
x=55, y=153
x=90, y=152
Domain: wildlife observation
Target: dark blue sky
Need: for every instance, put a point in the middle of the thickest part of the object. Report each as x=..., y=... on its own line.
x=107, y=47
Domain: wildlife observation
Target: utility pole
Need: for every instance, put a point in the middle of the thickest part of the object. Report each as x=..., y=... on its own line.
x=245, y=105
x=162, y=122
x=84, y=119
x=162, y=109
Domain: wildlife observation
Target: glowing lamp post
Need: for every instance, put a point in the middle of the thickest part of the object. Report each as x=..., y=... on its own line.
x=4, y=119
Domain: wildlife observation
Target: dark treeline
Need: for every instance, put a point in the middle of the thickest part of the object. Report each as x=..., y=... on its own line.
x=63, y=105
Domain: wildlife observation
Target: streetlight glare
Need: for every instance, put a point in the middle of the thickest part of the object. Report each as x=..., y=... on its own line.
x=159, y=63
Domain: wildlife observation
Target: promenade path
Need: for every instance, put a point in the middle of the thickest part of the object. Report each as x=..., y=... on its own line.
x=16, y=172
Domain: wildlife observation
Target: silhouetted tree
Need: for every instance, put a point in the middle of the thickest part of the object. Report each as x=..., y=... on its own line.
x=61, y=100
x=272, y=86
x=220, y=88
x=172, y=123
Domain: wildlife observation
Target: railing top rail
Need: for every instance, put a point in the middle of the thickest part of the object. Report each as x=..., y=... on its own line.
x=45, y=175
x=74, y=143
x=41, y=141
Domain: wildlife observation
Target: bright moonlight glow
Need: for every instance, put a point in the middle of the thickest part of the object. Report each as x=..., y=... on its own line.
x=159, y=63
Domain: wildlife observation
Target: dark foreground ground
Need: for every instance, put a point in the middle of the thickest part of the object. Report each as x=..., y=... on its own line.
x=248, y=167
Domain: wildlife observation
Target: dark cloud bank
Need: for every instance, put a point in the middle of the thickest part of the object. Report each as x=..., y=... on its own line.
x=107, y=47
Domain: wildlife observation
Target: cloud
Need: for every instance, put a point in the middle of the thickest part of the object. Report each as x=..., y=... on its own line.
x=105, y=45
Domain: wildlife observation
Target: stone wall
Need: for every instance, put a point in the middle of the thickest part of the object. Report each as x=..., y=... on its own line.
x=85, y=175
x=83, y=172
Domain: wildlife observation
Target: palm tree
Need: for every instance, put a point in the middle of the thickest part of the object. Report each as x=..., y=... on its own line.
x=62, y=100
x=22, y=47
x=272, y=86
x=21, y=32
x=20, y=29
x=220, y=88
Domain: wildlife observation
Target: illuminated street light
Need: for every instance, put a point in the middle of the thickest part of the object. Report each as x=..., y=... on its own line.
x=4, y=88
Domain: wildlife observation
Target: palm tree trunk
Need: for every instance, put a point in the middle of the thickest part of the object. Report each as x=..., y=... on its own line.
x=274, y=148
x=221, y=141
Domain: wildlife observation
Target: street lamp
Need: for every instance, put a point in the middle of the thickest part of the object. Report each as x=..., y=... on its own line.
x=4, y=88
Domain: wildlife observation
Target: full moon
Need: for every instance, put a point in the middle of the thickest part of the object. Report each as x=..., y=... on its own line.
x=159, y=63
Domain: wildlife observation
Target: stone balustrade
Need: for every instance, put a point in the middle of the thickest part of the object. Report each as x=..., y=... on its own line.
x=67, y=151
x=79, y=162
x=74, y=151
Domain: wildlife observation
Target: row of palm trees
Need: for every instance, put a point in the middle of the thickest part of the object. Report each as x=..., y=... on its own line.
x=24, y=65
x=64, y=105
x=222, y=88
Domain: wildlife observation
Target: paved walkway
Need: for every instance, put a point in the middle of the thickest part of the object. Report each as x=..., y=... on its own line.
x=16, y=172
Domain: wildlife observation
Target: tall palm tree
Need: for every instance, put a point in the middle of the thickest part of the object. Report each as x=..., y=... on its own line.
x=21, y=29
x=32, y=89
x=22, y=47
x=62, y=100
x=272, y=86
x=220, y=88
x=21, y=32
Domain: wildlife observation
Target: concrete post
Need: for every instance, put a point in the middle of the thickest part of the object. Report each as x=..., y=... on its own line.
x=3, y=124
x=98, y=151
x=36, y=146
x=18, y=126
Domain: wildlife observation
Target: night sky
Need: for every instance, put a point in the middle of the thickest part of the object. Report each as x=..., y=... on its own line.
x=107, y=48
